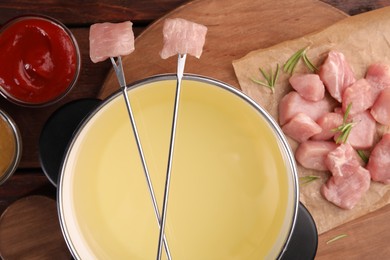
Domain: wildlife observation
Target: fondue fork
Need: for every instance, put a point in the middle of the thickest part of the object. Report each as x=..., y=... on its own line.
x=180, y=71
x=117, y=64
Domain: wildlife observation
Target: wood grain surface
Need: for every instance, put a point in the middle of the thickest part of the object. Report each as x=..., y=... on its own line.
x=78, y=16
x=234, y=29
x=29, y=230
x=367, y=237
x=231, y=38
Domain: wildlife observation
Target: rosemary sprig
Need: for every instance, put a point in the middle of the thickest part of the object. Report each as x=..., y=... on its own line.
x=345, y=128
x=336, y=238
x=292, y=62
x=270, y=78
x=309, y=64
x=362, y=155
x=306, y=179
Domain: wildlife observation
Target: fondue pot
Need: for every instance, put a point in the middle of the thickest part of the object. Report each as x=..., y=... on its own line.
x=233, y=193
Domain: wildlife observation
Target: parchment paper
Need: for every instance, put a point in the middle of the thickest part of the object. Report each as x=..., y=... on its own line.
x=364, y=39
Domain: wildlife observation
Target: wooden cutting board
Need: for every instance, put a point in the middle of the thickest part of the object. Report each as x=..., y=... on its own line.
x=234, y=29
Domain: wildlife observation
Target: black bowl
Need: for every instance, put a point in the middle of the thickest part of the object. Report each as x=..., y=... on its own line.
x=58, y=131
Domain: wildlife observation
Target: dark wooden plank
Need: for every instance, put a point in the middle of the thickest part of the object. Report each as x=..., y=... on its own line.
x=92, y=75
x=21, y=184
x=79, y=15
x=83, y=13
x=353, y=7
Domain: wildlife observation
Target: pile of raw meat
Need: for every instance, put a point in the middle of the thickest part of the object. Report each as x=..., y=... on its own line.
x=310, y=116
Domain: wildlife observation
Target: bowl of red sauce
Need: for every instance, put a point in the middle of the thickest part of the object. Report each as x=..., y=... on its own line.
x=40, y=60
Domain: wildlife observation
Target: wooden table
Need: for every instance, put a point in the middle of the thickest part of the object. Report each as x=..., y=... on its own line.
x=367, y=236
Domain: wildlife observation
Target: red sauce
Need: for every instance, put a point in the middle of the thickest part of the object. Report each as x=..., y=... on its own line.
x=39, y=60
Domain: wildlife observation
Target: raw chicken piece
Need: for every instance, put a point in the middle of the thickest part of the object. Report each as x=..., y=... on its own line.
x=343, y=161
x=379, y=77
x=360, y=95
x=363, y=132
x=328, y=122
x=349, y=179
x=379, y=161
x=309, y=86
x=110, y=40
x=183, y=37
x=347, y=192
x=336, y=74
x=301, y=127
x=292, y=104
x=381, y=109
x=312, y=154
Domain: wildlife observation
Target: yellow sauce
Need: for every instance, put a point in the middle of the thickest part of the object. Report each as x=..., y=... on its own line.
x=229, y=191
x=7, y=147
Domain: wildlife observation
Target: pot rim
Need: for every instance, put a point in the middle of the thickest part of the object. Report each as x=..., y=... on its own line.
x=289, y=156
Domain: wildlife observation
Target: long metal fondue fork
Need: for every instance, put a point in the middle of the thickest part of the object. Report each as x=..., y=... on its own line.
x=122, y=82
x=180, y=71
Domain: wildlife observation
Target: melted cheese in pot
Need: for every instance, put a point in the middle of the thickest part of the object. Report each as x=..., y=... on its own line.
x=230, y=193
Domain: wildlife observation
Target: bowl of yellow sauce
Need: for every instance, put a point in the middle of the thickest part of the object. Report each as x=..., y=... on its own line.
x=10, y=146
x=233, y=190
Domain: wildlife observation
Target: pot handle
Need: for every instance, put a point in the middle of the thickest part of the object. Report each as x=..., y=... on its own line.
x=58, y=131
x=304, y=239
